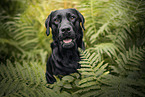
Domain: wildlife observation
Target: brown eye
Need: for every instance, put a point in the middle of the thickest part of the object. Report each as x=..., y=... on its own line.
x=72, y=17
x=56, y=20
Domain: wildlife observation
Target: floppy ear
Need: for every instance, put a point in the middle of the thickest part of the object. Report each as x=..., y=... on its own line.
x=47, y=25
x=82, y=19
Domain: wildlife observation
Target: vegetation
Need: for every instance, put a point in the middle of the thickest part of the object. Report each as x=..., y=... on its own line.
x=112, y=64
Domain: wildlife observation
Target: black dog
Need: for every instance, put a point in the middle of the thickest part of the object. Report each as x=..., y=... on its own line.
x=67, y=37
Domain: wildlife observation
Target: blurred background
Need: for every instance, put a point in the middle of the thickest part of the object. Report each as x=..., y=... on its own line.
x=115, y=33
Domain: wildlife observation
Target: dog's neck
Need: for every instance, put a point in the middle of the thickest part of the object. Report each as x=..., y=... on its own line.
x=69, y=55
x=66, y=60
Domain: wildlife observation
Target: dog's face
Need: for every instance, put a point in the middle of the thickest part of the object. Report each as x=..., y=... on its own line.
x=65, y=25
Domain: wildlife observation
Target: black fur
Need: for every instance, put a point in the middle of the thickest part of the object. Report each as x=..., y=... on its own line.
x=67, y=37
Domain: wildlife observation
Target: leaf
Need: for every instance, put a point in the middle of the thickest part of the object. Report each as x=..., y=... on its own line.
x=68, y=86
x=68, y=78
x=88, y=84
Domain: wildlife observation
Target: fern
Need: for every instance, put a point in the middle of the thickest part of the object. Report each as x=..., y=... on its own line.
x=92, y=11
x=130, y=60
x=91, y=72
x=122, y=87
x=24, y=80
x=109, y=48
x=96, y=80
x=120, y=14
x=119, y=37
x=67, y=85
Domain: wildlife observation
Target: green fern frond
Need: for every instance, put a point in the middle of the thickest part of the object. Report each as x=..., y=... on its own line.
x=92, y=12
x=107, y=48
x=96, y=81
x=121, y=14
x=104, y=28
x=130, y=60
x=12, y=43
x=92, y=71
x=121, y=86
x=83, y=90
x=23, y=80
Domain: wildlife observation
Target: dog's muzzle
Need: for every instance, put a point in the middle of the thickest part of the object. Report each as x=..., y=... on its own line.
x=67, y=36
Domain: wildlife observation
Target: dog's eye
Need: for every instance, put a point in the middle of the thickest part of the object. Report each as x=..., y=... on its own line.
x=56, y=20
x=72, y=17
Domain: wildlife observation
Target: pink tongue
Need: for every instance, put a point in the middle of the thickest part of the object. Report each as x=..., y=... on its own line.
x=67, y=40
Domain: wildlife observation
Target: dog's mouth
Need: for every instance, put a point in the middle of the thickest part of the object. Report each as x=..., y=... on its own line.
x=67, y=40
x=68, y=43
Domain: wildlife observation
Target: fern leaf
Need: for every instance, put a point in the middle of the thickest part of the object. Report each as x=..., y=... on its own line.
x=84, y=90
x=131, y=60
x=108, y=48
x=68, y=78
x=88, y=84
x=91, y=93
x=87, y=79
x=100, y=31
x=26, y=81
x=92, y=71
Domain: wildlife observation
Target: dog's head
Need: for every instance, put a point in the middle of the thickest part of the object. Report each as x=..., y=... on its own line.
x=66, y=28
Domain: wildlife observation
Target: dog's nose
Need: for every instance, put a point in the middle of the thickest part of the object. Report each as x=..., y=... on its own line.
x=65, y=29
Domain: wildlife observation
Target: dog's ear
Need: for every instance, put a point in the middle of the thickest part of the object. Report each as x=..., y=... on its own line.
x=48, y=24
x=81, y=19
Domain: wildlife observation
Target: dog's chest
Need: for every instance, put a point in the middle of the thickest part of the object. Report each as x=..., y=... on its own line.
x=65, y=61
x=66, y=70
x=67, y=64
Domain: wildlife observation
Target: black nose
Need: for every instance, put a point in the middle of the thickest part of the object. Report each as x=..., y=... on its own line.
x=65, y=29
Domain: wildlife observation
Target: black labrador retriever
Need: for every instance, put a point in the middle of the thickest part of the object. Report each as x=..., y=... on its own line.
x=67, y=38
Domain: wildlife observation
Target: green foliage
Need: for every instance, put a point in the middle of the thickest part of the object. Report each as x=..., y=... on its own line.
x=120, y=86
x=111, y=66
x=92, y=71
x=130, y=60
x=93, y=11
x=23, y=79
